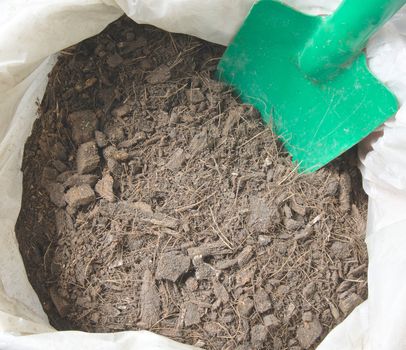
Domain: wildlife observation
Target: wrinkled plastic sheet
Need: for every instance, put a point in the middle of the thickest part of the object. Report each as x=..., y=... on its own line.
x=33, y=32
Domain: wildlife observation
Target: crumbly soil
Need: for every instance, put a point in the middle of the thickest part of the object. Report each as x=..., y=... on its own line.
x=154, y=200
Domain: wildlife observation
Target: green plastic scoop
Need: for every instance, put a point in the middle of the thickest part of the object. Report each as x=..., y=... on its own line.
x=309, y=75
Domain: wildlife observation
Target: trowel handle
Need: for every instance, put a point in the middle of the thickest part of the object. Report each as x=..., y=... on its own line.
x=343, y=35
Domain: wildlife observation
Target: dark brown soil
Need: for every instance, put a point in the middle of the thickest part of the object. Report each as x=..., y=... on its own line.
x=154, y=200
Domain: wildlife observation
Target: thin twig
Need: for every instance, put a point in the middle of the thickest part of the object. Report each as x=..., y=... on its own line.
x=219, y=233
x=190, y=206
x=253, y=138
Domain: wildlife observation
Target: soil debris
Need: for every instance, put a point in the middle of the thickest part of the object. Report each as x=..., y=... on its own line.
x=308, y=333
x=150, y=301
x=57, y=194
x=87, y=157
x=262, y=300
x=258, y=336
x=84, y=125
x=159, y=75
x=104, y=188
x=101, y=139
x=271, y=321
x=349, y=303
x=192, y=315
x=153, y=199
x=62, y=305
x=77, y=180
x=172, y=265
x=80, y=195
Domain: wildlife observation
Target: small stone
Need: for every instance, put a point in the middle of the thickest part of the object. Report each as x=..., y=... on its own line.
x=277, y=344
x=79, y=196
x=228, y=318
x=176, y=160
x=349, y=303
x=345, y=192
x=334, y=311
x=108, y=152
x=171, y=266
x=234, y=116
x=57, y=194
x=326, y=317
x=62, y=177
x=282, y=290
x=87, y=158
x=271, y=321
x=332, y=188
x=198, y=142
x=215, y=85
x=221, y=292
x=163, y=220
x=244, y=276
x=48, y=175
x=83, y=124
x=292, y=342
x=262, y=300
x=340, y=250
x=174, y=118
x=204, y=270
x=114, y=167
x=245, y=306
x=60, y=166
x=77, y=180
x=71, y=210
x=307, y=316
x=58, y=151
x=114, y=60
x=120, y=155
x=138, y=137
x=200, y=344
x=63, y=222
x=61, y=304
x=95, y=318
x=261, y=215
x=245, y=256
x=290, y=312
x=192, y=284
x=159, y=75
x=195, y=96
x=226, y=264
x=110, y=310
x=192, y=315
x=104, y=188
x=287, y=211
x=115, y=133
x=308, y=333
x=304, y=234
x=264, y=240
x=143, y=207
x=309, y=290
x=101, y=139
x=211, y=328
x=242, y=347
x=293, y=225
x=207, y=249
x=259, y=334
x=111, y=152
x=121, y=111
x=150, y=301
x=298, y=208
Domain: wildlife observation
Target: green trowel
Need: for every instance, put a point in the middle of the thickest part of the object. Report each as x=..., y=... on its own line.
x=308, y=76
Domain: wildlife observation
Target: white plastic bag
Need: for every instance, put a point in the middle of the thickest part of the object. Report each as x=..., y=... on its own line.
x=31, y=32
